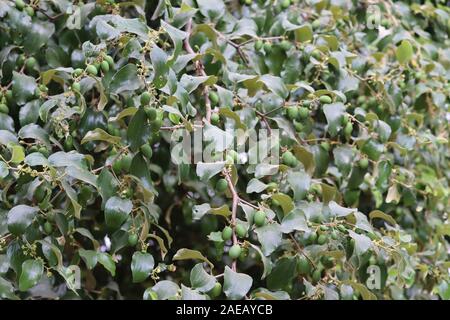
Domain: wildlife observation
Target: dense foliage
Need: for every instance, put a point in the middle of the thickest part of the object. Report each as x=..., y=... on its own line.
x=92, y=207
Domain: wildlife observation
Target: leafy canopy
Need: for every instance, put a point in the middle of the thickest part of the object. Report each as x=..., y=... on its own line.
x=355, y=207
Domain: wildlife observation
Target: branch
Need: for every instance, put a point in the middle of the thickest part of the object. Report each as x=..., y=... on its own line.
x=233, y=210
x=199, y=69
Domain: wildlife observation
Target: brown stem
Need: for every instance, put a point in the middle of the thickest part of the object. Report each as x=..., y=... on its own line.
x=233, y=210
x=199, y=69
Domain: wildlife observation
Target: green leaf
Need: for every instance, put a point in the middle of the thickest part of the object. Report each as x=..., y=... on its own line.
x=213, y=9
x=20, y=217
x=254, y=185
x=107, y=261
x=362, y=242
x=236, y=285
x=23, y=87
x=188, y=254
x=32, y=271
x=206, y=171
x=141, y=266
x=18, y=154
x=275, y=84
x=7, y=290
x=165, y=289
x=404, y=52
x=125, y=79
x=285, y=202
x=295, y=220
x=117, y=211
x=334, y=113
x=100, y=135
x=159, y=61
x=282, y=274
x=270, y=237
x=381, y=215
x=200, y=279
x=89, y=257
x=138, y=130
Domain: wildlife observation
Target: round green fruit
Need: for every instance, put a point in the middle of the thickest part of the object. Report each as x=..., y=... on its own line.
x=215, y=118
x=285, y=4
x=104, y=66
x=4, y=108
x=92, y=70
x=303, y=113
x=221, y=185
x=259, y=45
x=325, y=146
x=303, y=265
x=30, y=63
x=322, y=239
x=292, y=112
x=363, y=163
x=214, y=98
x=227, y=233
x=20, y=4
x=241, y=231
x=147, y=151
x=259, y=218
x=132, y=239
x=48, y=228
x=289, y=159
x=156, y=124
x=216, y=290
x=76, y=86
x=325, y=99
x=267, y=47
x=110, y=61
x=145, y=98
x=29, y=10
x=151, y=113
x=235, y=251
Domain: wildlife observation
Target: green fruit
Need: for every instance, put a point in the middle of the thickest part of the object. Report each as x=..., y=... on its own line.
x=110, y=61
x=315, y=24
x=48, y=228
x=272, y=186
x=214, y=98
x=117, y=166
x=285, y=45
x=341, y=228
x=316, y=54
x=289, y=159
x=267, y=47
x=306, y=103
x=325, y=146
x=145, y=98
x=233, y=155
x=77, y=72
x=227, y=233
x=29, y=10
x=147, y=151
x=215, y=119
x=303, y=113
x=92, y=70
x=285, y=4
x=30, y=63
x=44, y=151
x=126, y=162
x=248, y=2
x=235, y=251
x=20, y=4
x=132, y=239
x=9, y=95
x=292, y=112
x=317, y=276
x=4, y=108
x=259, y=218
x=325, y=99
x=345, y=119
x=363, y=163
x=298, y=126
x=68, y=143
x=303, y=265
x=76, y=86
x=312, y=237
x=156, y=124
x=327, y=261
x=386, y=23
x=322, y=239
x=40, y=193
x=151, y=113
x=259, y=45
x=221, y=185
x=104, y=66
x=216, y=290
x=241, y=230
x=348, y=129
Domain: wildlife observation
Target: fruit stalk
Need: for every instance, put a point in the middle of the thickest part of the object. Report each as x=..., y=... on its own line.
x=233, y=210
x=200, y=70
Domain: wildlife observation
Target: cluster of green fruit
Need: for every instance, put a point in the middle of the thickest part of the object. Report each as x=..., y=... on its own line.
x=21, y=5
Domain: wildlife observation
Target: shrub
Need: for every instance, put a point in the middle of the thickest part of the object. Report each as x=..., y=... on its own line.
x=97, y=203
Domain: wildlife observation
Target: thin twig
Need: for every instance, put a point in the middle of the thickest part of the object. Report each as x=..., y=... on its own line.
x=233, y=210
